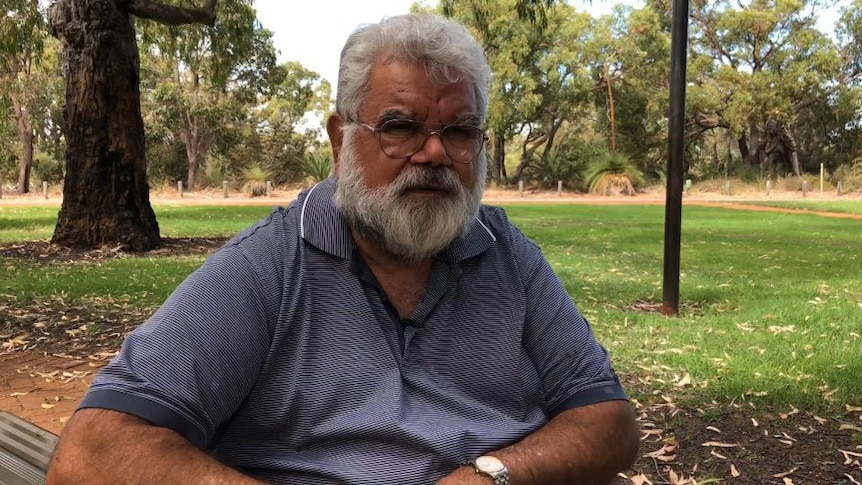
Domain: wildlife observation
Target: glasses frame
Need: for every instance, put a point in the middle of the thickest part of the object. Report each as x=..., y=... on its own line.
x=439, y=132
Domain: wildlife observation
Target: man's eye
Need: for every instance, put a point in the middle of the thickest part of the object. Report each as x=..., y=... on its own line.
x=461, y=133
x=400, y=129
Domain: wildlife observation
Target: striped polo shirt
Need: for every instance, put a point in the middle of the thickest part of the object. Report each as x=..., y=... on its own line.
x=281, y=358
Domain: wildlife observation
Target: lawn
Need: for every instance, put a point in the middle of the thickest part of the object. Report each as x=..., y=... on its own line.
x=843, y=206
x=771, y=304
x=758, y=380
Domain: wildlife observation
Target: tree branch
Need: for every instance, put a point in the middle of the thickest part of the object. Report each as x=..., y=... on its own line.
x=173, y=15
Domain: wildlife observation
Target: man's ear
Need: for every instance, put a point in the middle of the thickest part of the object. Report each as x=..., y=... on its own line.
x=334, y=128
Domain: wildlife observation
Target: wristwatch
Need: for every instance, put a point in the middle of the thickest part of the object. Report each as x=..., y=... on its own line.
x=493, y=467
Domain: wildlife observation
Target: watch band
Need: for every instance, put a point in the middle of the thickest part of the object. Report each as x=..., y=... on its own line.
x=492, y=466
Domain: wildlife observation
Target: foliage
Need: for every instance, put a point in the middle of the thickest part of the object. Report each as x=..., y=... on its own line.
x=48, y=168
x=317, y=166
x=613, y=173
x=565, y=163
x=256, y=178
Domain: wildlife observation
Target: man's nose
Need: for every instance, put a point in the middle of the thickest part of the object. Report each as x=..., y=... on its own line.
x=432, y=151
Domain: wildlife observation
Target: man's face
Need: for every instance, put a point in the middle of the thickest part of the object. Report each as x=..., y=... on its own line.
x=413, y=207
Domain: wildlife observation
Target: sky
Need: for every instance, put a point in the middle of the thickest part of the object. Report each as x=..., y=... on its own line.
x=312, y=32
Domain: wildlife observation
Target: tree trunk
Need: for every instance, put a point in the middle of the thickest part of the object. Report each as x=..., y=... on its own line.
x=793, y=148
x=25, y=136
x=498, y=153
x=105, y=195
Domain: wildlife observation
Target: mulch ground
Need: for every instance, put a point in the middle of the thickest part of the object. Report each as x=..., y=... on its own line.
x=50, y=353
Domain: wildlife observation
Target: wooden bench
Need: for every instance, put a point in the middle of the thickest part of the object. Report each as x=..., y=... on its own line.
x=25, y=451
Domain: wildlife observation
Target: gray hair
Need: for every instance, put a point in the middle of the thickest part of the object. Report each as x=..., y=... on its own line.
x=446, y=49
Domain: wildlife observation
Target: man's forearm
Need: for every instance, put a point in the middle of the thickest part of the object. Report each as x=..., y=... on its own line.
x=101, y=446
x=586, y=445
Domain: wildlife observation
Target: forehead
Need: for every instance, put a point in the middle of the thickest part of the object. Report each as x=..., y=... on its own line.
x=404, y=87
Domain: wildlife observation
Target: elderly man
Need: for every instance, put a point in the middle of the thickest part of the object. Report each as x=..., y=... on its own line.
x=384, y=328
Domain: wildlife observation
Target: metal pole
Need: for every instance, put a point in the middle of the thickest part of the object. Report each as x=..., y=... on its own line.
x=676, y=158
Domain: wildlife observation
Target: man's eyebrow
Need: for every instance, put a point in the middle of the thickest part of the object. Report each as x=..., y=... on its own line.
x=393, y=114
x=469, y=119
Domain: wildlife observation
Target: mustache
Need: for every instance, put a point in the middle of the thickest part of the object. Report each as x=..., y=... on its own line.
x=415, y=177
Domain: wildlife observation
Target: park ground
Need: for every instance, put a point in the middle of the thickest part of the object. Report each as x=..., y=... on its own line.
x=716, y=443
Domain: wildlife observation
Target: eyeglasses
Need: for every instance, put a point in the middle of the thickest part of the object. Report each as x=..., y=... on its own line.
x=401, y=139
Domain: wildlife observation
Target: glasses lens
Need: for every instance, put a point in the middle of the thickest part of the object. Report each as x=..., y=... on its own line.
x=462, y=142
x=403, y=138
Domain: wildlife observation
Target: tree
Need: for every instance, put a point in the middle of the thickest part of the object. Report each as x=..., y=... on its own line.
x=106, y=195
x=22, y=34
x=211, y=73
x=759, y=68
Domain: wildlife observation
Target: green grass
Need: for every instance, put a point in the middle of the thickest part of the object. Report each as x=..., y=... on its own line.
x=842, y=206
x=771, y=304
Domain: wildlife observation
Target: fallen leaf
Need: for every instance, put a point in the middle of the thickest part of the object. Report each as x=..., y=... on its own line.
x=733, y=471
x=713, y=428
x=848, y=454
x=47, y=406
x=641, y=480
x=852, y=480
x=820, y=420
x=719, y=444
x=785, y=474
x=850, y=427
x=717, y=454
x=16, y=394
x=788, y=481
x=754, y=422
x=853, y=409
x=685, y=381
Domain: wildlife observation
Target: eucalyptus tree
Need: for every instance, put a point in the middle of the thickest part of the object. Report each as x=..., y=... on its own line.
x=106, y=194
x=289, y=120
x=512, y=32
x=210, y=73
x=759, y=68
x=22, y=34
x=630, y=51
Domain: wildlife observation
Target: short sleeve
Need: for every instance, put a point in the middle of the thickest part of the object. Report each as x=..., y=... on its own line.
x=574, y=368
x=190, y=366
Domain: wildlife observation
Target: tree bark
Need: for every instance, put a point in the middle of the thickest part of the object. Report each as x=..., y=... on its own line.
x=25, y=136
x=105, y=195
x=498, y=154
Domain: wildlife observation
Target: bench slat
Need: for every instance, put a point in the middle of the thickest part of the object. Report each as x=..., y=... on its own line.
x=25, y=440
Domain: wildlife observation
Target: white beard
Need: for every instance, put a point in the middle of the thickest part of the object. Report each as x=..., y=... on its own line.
x=409, y=228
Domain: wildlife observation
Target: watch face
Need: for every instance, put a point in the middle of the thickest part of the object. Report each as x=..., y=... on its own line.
x=489, y=464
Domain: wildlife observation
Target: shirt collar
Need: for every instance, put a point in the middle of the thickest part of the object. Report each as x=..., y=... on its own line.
x=322, y=225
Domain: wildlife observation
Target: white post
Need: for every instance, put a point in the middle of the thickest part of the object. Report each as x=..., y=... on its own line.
x=224, y=189
x=768, y=187
x=821, y=178
x=180, y=188
x=560, y=187
x=45, y=188
x=804, y=188
x=840, y=187
x=269, y=188
x=520, y=188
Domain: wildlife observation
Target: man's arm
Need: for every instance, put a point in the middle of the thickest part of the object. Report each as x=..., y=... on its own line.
x=102, y=446
x=584, y=446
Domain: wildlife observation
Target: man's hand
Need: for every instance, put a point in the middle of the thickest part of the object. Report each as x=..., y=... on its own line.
x=586, y=445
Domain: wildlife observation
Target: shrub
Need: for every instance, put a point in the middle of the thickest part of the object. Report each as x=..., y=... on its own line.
x=317, y=166
x=255, y=178
x=46, y=167
x=613, y=173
